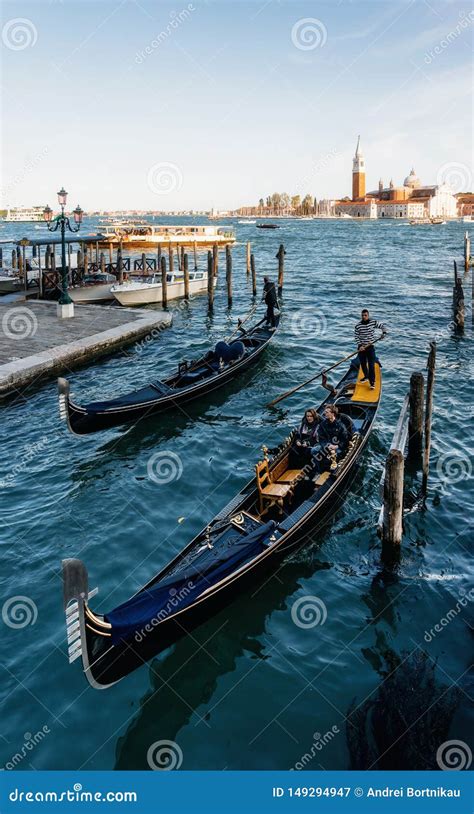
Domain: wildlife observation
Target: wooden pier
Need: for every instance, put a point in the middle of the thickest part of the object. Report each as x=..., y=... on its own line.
x=35, y=344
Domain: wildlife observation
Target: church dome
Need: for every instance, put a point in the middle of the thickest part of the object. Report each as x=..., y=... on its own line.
x=412, y=180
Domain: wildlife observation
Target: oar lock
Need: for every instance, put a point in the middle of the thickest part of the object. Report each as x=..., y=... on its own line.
x=208, y=537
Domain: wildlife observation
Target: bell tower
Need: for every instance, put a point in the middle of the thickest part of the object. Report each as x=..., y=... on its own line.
x=358, y=174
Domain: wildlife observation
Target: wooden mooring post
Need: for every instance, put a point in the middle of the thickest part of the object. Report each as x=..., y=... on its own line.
x=467, y=251
x=13, y=258
x=254, y=275
x=228, y=274
x=215, y=259
x=171, y=259
x=195, y=256
x=458, y=300
x=210, y=280
x=164, y=283
x=144, y=263
x=392, y=528
x=186, y=275
x=119, y=265
x=431, y=365
x=415, y=422
x=281, y=268
x=249, y=254
x=102, y=263
x=1, y=257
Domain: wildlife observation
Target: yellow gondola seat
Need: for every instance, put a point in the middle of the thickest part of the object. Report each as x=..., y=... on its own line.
x=269, y=493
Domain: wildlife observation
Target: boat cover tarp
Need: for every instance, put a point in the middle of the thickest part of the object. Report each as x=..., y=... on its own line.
x=154, y=605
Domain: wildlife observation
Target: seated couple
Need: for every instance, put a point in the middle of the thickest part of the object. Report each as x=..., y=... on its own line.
x=321, y=441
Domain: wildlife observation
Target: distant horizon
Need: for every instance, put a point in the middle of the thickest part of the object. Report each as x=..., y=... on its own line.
x=142, y=106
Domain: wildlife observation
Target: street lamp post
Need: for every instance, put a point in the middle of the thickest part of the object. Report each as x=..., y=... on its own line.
x=62, y=222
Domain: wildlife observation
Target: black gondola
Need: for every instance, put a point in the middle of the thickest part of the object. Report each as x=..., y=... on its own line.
x=271, y=515
x=267, y=226
x=192, y=380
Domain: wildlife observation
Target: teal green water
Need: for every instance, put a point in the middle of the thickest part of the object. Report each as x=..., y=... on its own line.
x=250, y=688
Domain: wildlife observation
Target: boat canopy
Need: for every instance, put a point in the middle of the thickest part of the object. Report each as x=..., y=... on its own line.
x=210, y=565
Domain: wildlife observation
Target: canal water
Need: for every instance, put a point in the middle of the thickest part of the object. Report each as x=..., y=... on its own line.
x=333, y=662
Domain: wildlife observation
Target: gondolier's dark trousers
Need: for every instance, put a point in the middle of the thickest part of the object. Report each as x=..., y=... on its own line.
x=270, y=316
x=367, y=361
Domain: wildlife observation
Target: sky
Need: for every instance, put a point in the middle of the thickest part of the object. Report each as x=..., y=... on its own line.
x=194, y=105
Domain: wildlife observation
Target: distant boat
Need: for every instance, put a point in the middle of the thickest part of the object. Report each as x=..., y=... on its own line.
x=147, y=234
x=427, y=222
x=467, y=219
x=148, y=289
x=247, y=222
x=23, y=215
x=267, y=226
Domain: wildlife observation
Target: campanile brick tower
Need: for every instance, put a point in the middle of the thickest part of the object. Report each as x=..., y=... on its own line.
x=358, y=174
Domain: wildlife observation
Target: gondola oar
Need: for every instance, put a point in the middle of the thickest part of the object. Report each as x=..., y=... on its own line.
x=316, y=376
x=243, y=321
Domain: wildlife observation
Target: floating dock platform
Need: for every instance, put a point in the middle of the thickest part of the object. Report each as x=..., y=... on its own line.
x=35, y=344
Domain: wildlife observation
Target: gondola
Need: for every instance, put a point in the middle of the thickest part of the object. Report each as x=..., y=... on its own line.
x=269, y=517
x=191, y=381
x=267, y=226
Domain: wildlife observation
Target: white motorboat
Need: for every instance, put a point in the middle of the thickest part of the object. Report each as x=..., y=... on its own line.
x=96, y=287
x=148, y=289
x=247, y=222
x=9, y=283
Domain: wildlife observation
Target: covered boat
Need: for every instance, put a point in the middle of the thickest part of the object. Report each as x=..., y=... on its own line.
x=269, y=517
x=191, y=381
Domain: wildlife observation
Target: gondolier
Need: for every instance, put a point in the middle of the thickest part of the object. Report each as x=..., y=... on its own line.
x=271, y=300
x=364, y=335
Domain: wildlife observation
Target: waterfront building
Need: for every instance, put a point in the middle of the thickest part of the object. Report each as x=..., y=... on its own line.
x=410, y=200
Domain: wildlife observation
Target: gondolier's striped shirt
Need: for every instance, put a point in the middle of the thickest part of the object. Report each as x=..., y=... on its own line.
x=364, y=333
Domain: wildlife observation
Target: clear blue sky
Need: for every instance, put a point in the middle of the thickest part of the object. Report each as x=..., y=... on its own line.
x=238, y=97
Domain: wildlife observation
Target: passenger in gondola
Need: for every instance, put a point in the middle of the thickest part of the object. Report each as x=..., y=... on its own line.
x=305, y=439
x=333, y=440
x=271, y=300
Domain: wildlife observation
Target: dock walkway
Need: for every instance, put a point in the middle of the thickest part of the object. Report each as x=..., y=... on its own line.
x=35, y=344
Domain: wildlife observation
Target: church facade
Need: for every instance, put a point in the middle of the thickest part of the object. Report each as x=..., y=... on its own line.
x=411, y=200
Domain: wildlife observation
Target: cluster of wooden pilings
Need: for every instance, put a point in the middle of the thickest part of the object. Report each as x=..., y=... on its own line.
x=412, y=442
x=88, y=260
